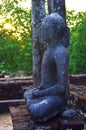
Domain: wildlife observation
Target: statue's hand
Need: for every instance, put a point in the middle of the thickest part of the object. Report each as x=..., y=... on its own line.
x=36, y=93
x=40, y=87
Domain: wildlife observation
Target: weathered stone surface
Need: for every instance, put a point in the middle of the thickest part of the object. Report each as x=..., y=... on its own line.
x=71, y=124
x=57, y=6
x=20, y=118
x=49, y=99
x=78, y=79
x=13, y=88
x=38, y=13
x=4, y=104
x=50, y=125
x=21, y=121
x=78, y=92
x=11, y=92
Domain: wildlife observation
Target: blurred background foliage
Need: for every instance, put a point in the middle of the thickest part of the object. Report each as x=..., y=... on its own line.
x=77, y=48
x=16, y=39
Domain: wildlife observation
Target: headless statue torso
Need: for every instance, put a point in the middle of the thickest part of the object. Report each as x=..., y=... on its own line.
x=50, y=98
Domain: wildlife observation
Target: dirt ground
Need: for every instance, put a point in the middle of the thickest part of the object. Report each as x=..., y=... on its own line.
x=6, y=122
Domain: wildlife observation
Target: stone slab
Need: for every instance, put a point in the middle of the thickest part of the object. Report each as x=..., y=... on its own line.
x=4, y=104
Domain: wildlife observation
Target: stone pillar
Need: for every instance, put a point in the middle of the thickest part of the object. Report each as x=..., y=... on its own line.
x=38, y=13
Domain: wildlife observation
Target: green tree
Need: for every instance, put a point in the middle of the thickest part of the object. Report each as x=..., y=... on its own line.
x=77, y=49
x=15, y=37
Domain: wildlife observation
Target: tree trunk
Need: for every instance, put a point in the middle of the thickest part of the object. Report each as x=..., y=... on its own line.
x=38, y=13
x=50, y=6
x=57, y=6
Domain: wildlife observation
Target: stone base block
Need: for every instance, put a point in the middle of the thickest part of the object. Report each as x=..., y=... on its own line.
x=62, y=124
x=51, y=125
x=71, y=124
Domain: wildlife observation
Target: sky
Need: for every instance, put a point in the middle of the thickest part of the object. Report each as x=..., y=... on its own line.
x=77, y=5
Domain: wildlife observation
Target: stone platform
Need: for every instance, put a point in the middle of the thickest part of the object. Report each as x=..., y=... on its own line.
x=14, y=88
x=20, y=118
x=21, y=121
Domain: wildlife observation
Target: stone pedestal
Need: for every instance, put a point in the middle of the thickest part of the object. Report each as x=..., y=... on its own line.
x=62, y=124
x=51, y=125
x=71, y=124
x=21, y=121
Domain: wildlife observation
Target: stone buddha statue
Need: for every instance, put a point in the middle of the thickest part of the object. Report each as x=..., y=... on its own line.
x=50, y=98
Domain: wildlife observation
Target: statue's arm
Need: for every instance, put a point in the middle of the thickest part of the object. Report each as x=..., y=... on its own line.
x=54, y=90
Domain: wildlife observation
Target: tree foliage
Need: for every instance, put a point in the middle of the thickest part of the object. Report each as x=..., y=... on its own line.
x=15, y=37
x=77, y=49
